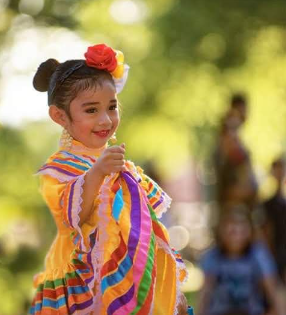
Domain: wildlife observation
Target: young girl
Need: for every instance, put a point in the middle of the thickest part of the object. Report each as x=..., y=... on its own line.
x=239, y=273
x=111, y=254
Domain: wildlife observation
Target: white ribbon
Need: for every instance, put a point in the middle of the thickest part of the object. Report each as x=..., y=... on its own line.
x=120, y=82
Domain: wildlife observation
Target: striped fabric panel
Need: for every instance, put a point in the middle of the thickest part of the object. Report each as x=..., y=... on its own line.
x=147, y=283
x=148, y=303
x=70, y=163
x=157, y=228
x=121, y=300
x=177, y=256
x=158, y=199
x=56, y=170
x=62, y=296
x=139, y=259
x=66, y=164
x=70, y=168
x=85, y=160
x=123, y=274
x=155, y=193
x=116, y=268
x=116, y=258
x=143, y=260
x=118, y=276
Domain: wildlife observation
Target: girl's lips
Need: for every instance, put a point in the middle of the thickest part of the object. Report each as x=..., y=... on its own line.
x=102, y=133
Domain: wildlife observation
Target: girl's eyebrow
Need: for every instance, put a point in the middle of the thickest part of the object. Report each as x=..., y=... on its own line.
x=96, y=103
x=90, y=103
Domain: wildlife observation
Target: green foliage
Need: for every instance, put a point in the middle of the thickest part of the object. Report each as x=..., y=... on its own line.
x=23, y=214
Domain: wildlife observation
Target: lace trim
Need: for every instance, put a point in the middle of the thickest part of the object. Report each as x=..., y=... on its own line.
x=98, y=250
x=78, y=190
x=60, y=177
x=164, y=206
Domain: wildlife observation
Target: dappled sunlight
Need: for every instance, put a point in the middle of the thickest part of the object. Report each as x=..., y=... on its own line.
x=31, y=7
x=179, y=237
x=195, y=280
x=128, y=11
x=19, y=60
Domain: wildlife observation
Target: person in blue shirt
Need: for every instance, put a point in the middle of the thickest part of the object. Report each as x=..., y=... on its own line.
x=240, y=274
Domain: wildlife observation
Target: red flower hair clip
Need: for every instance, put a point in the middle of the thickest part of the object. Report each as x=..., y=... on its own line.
x=105, y=58
x=101, y=57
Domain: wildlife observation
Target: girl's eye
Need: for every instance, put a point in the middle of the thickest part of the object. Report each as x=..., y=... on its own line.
x=91, y=110
x=113, y=107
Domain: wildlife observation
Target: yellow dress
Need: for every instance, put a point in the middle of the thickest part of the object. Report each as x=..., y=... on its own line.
x=119, y=261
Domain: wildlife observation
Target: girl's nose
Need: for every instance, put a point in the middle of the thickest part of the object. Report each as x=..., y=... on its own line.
x=104, y=119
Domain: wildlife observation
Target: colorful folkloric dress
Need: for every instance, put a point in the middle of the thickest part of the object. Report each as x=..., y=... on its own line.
x=117, y=262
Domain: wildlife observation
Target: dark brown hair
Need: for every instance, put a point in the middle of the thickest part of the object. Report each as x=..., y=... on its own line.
x=63, y=81
x=238, y=100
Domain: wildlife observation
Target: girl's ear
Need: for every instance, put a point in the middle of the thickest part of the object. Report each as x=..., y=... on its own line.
x=58, y=115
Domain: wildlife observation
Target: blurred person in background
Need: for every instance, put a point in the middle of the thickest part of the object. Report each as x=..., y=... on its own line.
x=240, y=274
x=236, y=182
x=273, y=219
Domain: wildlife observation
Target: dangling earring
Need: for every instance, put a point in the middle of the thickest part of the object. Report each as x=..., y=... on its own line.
x=66, y=140
x=113, y=139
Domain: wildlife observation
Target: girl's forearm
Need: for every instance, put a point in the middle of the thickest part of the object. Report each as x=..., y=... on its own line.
x=110, y=161
x=91, y=186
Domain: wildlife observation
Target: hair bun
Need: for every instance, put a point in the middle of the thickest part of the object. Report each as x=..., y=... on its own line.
x=43, y=75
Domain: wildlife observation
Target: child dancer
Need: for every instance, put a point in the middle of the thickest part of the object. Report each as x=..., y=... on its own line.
x=239, y=272
x=111, y=254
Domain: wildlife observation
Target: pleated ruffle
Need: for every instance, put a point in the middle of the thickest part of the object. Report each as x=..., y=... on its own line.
x=68, y=293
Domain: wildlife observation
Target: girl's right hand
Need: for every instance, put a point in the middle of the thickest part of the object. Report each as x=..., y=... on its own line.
x=111, y=160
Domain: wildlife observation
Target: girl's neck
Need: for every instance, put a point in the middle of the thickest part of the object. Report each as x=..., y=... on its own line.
x=235, y=255
x=79, y=148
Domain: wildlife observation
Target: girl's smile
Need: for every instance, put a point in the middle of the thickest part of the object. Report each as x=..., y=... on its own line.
x=101, y=133
x=94, y=116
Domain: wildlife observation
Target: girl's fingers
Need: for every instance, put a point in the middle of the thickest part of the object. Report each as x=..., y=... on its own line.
x=117, y=163
x=117, y=169
x=116, y=149
x=117, y=156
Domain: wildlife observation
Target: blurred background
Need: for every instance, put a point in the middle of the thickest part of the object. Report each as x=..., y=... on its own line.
x=187, y=58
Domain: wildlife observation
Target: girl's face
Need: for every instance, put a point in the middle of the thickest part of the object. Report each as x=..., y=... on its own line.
x=95, y=116
x=235, y=236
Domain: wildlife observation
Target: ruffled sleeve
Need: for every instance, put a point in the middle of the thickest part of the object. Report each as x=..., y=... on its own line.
x=64, y=200
x=158, y=198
